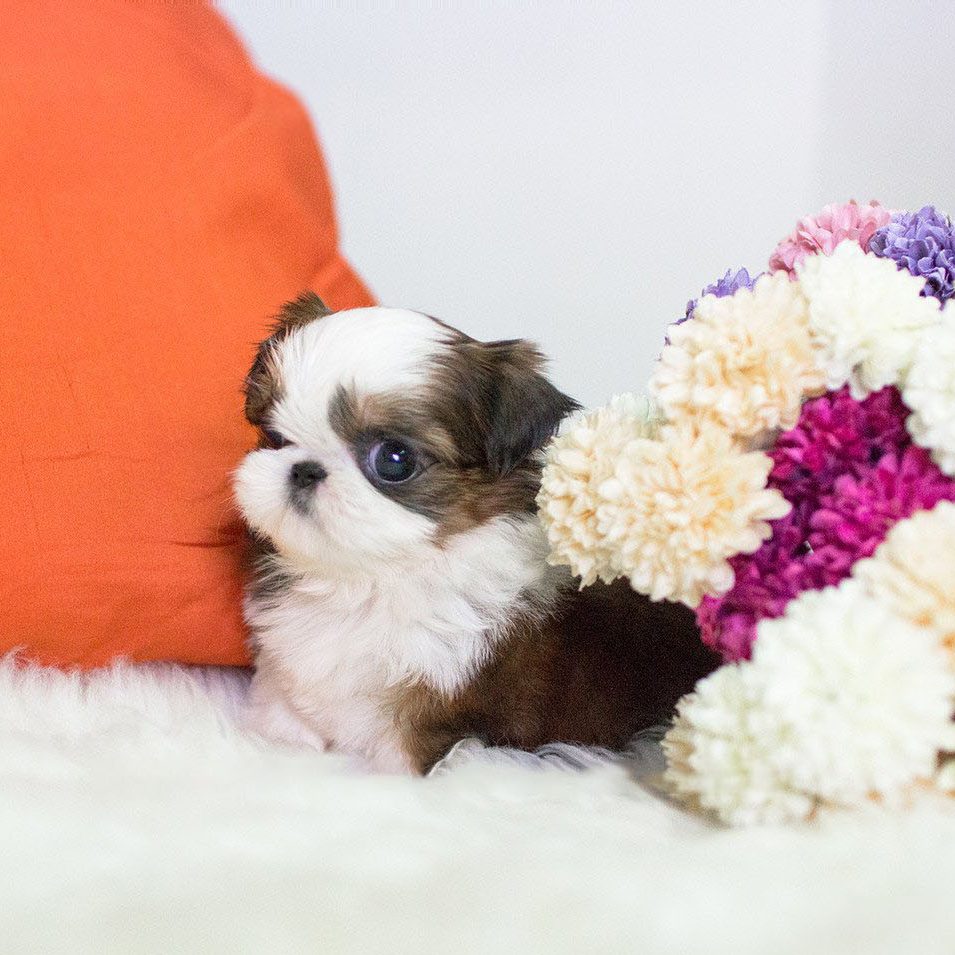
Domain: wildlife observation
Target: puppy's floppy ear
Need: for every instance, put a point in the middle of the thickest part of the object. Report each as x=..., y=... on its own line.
x=262, y=386
x=301, y=311
x=515, y=409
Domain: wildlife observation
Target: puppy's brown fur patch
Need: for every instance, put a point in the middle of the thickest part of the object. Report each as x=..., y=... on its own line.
x=455, y=489
x=499, y=404
x=478, y=424
x=606, y=663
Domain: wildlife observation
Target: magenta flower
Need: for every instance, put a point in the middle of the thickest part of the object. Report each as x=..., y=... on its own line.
x=851, y=472
x=765, y=582
x=824, y=231
x=837, y=435
x=853, y=518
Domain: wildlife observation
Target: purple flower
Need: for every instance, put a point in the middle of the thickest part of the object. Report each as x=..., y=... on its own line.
x=922, y=242
x=730, y=284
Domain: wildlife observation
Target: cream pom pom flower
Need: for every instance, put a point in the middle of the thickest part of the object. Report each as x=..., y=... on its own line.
x=867, y=698
x=674, y=509
x=913, y=571
x=577, y=462
x=842, y=701
x=744, y=361
x=866, y=317
x=719, y=749
x=930, y=392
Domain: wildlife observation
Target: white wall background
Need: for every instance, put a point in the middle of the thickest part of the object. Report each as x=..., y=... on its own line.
x=573, y=172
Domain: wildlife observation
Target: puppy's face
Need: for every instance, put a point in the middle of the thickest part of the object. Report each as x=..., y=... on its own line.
x=385, y=433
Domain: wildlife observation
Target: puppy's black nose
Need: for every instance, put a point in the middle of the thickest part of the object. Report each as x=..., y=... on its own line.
x=306, y=474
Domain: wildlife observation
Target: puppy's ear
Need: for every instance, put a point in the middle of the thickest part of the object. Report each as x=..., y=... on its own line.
x=262, y=385
x=515, y=409
x=305, y=309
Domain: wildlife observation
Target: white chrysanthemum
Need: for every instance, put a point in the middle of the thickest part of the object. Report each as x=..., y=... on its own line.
x=674, y=509
x=867, y=698
x=719, y=752
x=577, y=463
x=744, y=361
x=930, y=392
x=913, y=570
x=843, y=701
x=865, y=315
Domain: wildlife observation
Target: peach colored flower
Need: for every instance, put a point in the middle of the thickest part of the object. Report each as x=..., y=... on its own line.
x=577, y=462
x=745, y=362
x=674, y=509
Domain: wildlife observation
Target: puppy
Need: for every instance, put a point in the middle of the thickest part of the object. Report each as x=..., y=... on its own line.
x=400, y=598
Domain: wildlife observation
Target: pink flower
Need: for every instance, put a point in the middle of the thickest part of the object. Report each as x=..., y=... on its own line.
x=851, y=472
x=824, y=231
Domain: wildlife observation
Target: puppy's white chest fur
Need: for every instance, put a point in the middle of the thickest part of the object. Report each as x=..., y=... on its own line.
x=334, y=652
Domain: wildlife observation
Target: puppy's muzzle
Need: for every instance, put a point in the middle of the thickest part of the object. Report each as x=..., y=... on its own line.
x=306, y=474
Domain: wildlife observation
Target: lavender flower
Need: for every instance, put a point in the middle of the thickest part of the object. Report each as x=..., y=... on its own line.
x=729, y=284
x=922, y=242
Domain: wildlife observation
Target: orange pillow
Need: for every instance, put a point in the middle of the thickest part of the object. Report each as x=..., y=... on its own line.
x=161, y=199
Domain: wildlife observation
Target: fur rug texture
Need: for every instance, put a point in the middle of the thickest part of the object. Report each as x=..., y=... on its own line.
x=136, y=816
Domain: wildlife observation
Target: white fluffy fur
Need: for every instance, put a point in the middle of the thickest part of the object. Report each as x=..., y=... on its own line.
x=136, y=817
x=375, y=601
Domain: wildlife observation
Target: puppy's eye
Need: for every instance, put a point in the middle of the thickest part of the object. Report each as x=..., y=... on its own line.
x=274, y=439
x=392, y=461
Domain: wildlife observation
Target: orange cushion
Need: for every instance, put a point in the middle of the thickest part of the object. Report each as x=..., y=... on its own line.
x=161, y=199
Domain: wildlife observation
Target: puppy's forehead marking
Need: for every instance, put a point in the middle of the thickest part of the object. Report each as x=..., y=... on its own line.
x=373, y=349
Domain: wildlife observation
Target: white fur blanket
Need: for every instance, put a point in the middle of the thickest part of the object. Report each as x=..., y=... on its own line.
x=136, y=817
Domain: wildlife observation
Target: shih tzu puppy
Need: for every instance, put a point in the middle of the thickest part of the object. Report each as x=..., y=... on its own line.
x=400, y=598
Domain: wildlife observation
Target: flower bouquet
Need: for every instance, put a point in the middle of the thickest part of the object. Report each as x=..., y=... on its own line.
x=791, y=477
